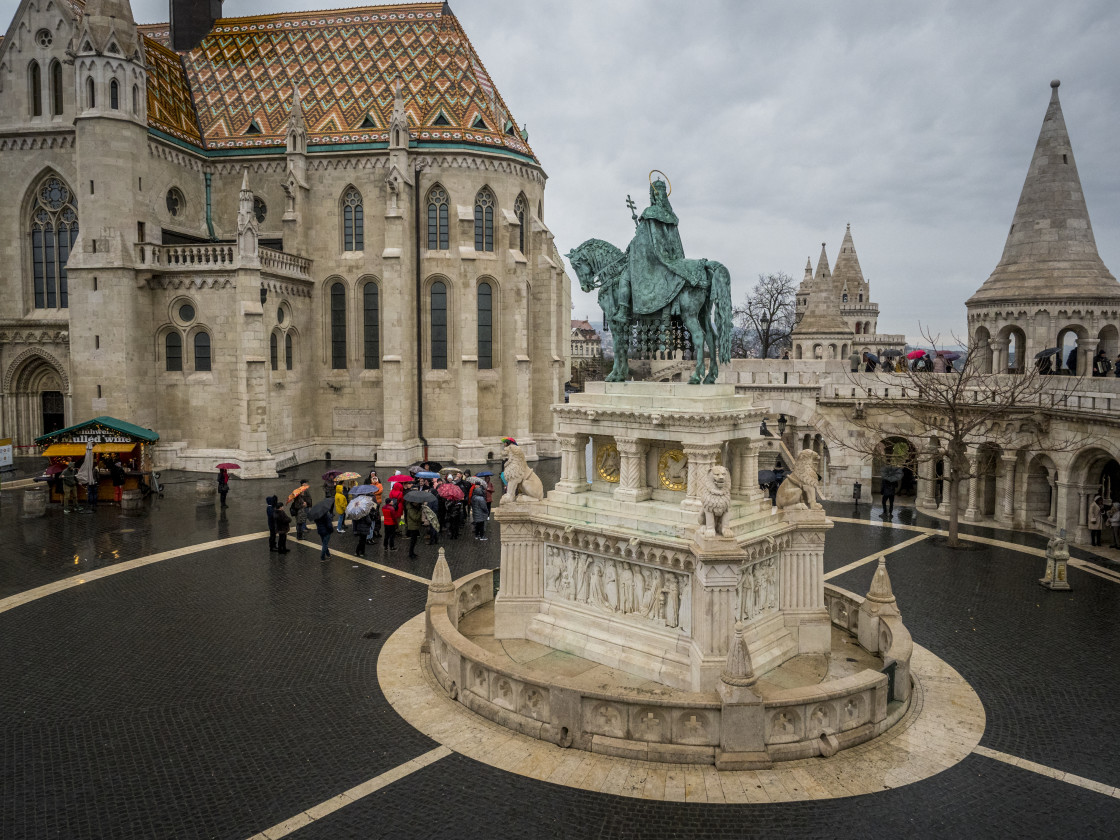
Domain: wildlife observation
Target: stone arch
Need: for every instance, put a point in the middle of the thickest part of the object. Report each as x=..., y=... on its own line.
x=1012, y=356
x=982, y=348
x=1067, y=338
x=896, y=451
x=1108, y=340
x=31, y=375
x=1041, y=496
x=989, y=472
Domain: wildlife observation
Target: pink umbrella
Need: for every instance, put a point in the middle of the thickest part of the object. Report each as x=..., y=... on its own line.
x=915, y=354
x=450, y=492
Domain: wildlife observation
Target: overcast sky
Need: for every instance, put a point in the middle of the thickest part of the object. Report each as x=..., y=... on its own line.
x=779, y=122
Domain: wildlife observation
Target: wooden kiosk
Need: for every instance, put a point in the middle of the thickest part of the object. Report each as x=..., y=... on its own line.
x=113, y=440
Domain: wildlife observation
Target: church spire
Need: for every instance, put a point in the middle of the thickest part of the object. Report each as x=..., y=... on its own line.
x=847, y=274
x=1050, y=249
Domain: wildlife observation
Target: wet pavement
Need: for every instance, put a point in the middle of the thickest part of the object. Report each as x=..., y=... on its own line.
x=220, y=692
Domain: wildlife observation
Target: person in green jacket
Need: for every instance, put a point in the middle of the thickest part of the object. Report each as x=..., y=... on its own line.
x=413, y=522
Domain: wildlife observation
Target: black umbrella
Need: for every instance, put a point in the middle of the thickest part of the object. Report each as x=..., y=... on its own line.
x=420, y=497
x=871, y=357
x=765, y=477
x=426, y=466
x=324, y=507
x=892, y=474
x=891, y=354
x=1049, y=352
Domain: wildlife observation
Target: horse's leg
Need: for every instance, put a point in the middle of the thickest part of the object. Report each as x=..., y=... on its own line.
x=709, y=342
x=689, y=310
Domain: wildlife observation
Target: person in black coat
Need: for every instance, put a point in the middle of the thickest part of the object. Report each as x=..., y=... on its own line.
x=271, y=504
x=1071, y=362
x=887, y=489
x=282, y=521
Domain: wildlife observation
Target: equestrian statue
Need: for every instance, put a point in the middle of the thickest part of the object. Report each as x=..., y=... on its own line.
x=655, y=301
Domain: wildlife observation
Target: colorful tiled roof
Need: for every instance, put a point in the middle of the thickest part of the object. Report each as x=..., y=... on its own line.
x=170, y=107
x=344, y=63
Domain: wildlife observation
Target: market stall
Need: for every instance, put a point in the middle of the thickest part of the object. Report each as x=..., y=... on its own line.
x=114, y=442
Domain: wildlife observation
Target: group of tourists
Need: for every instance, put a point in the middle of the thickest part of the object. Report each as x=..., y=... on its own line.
x=69, y=481
x=425, y=503
x=1104, y=512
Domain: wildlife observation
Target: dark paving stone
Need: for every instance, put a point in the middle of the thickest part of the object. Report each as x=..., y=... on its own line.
x=979, y=798
x=1042, y=662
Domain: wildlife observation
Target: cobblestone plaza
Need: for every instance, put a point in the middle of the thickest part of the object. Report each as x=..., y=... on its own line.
x=167, y=677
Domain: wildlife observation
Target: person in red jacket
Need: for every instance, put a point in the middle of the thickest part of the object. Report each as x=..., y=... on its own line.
x=390, y=516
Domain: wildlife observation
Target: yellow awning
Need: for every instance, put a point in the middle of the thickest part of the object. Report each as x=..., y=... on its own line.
x=101, y=448
x=62, y=450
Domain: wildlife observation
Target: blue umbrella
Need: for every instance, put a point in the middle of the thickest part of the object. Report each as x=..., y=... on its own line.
x=484, y=474
x=363, y=490
x=424, y=474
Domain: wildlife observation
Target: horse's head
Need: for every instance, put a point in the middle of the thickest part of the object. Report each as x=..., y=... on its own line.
x=582, y=268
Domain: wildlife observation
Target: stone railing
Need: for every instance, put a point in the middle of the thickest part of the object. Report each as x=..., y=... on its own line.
x=684, y=727
x=285, y=264
x=220, y=257
x=894, y=641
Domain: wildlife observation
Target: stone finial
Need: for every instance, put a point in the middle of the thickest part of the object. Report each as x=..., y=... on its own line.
x=739, y=670
x=880, y=592
x=441, y=575
x=1056, y=83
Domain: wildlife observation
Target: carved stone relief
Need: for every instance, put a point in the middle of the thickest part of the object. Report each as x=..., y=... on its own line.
x=672, y=469
x=645, y=594
x=758, y=590
x=607, y=462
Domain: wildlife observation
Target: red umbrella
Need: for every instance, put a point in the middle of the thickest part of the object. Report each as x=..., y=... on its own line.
x=450, y=492
x=915, y=354
x=53, y=469
x=329, y=475
x=393, y=479
x=227, y=466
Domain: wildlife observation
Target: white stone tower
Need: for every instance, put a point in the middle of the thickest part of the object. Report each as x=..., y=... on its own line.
x=1050, y=287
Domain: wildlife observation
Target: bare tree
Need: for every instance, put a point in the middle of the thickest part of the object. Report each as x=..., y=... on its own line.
x=963, y=408
x=767, y=317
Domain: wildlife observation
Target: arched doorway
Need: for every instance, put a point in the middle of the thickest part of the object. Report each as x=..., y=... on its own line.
x=1067, y=340
x=982, y=349
x=1016, y=350
x=1041, y=497
x=988, y=469
x=36, y=395
x=897, y=452
x=1094, y=470
x=1108, y=340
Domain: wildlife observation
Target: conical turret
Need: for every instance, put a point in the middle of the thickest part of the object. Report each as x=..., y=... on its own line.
x=108, y=26
x=1050, y=250
x=822, y=312
x=847, y=273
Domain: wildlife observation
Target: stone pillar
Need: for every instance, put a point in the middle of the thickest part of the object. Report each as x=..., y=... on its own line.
x=927, y=474
x=521, y=586
x=715, y=607
x=632, y=485
x=1005, y=498
x=1052, y=480
x=946, y=484
x=999, y=355
x=700, y=460
x=972, y=512
x=1086, y=349
x=1082, y=509
x=573, y=478
x=801, y=581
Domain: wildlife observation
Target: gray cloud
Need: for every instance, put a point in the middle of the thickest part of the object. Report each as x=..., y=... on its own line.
x=780, y=122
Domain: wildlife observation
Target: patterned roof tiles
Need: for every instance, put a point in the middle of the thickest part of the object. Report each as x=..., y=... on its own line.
x=170, y=107
x=344, y=63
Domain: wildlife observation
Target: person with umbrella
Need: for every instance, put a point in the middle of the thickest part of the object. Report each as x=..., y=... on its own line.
x=391, y=516
x=413, y=522
x=340, y=507
x=489, y=491
x=360, y=510
x=283, y=521
x=298, y=504
x=223, y=484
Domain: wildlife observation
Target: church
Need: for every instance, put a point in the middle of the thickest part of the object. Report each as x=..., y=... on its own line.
x=317, y=234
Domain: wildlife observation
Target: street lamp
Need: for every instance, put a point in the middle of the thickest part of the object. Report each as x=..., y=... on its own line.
x=782, y=425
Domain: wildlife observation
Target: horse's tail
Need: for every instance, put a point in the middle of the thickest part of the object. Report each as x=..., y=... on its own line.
x=720, y=297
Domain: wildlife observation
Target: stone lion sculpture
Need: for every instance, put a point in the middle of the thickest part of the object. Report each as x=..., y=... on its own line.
x=715, y=496
x=799, y=490
x=522, y=484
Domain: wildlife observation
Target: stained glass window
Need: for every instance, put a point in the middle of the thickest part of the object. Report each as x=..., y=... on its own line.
x=54, y=227
x=484, y=220
x=437, y=219
x=439, y=326
x=485, y=327
x=353, y=226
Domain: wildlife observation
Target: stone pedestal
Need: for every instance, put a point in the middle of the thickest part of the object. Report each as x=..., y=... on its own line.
x=1057, y=557
x=34, y=502
x=205, y=492
x=626, y=575
x=132, y=500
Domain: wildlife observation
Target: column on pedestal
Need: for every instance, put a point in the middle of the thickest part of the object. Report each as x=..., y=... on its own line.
x=973, y=511
x=1052, y=480
x=632, y=485
x=927, y=474
x=946, y=483
x=573, y=471
x=744, y=468
x=701, y=458
x=521, y=585
x=1006, y=510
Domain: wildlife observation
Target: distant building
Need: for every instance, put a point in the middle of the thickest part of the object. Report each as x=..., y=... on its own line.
x=586, y=341
x=835, y=312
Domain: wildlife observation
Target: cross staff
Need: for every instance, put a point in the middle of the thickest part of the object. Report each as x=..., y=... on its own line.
x=630, y=203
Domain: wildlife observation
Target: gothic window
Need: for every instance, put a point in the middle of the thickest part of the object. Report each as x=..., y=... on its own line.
x=114, y=95
x=273, y=351
x=54, y=227
x=861, y=297
x=173, y=351
x=202, y=351
x=44, y=38
x=91, y=98
x=439, y=326
x=35, y=88
x=56, y=88
x=175, y=202
x=370, y=332
x=136, y=99
x=260, y=210
x=844, y=298
x=338, y=327
x=437, y=219
x=521, y=210
x=288, y=351
x=353, y=226
x=484, y=220
x=485, y=327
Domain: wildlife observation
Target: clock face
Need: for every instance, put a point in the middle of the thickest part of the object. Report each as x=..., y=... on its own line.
x=672, y=470
x=607, y=462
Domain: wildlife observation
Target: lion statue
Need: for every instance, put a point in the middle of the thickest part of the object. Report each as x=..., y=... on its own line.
x=522, y=484
x=799, y=490
x=715, y=496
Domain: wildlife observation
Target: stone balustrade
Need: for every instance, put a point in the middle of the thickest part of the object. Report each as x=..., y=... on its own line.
x=682, y=727
x=220, y=257
x=288, y=265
